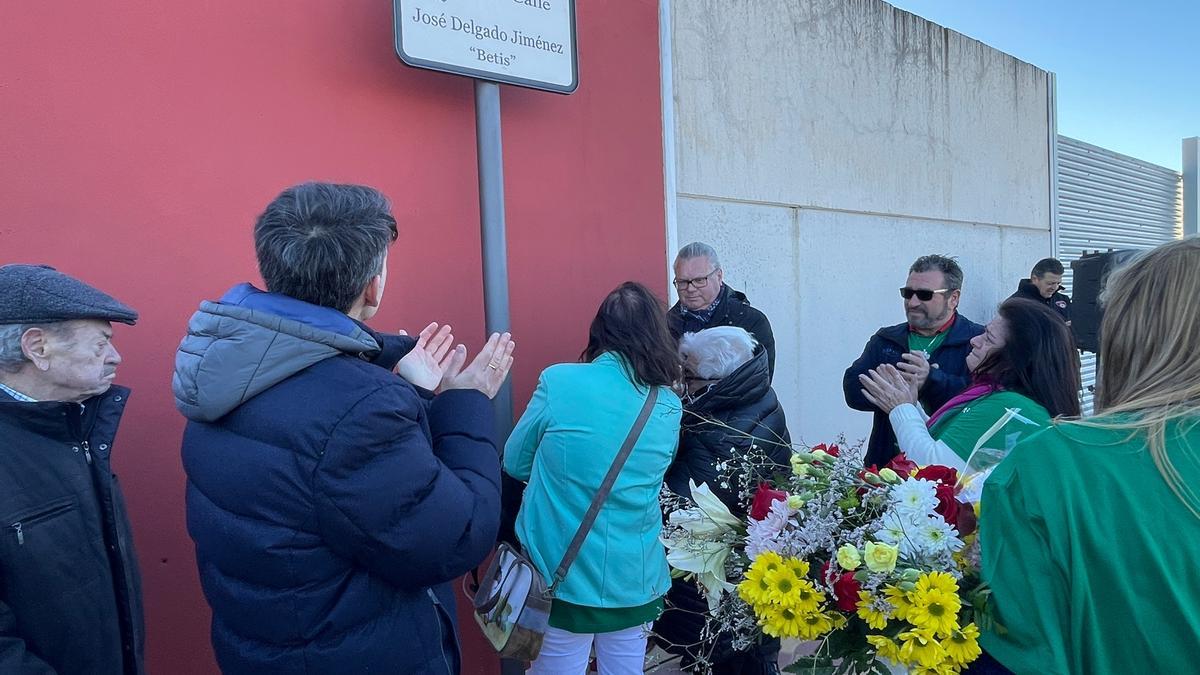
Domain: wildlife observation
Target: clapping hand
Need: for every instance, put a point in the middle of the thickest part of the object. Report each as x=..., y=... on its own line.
x=487, y=370
x=425, y=364
x=916, y=366
x=888, y=388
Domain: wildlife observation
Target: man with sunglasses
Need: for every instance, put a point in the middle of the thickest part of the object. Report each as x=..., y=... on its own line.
x=705, y=301
x=930, y=347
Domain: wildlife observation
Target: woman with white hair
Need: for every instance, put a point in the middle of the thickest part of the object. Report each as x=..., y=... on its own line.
x=729, y=407
x=1091, y=528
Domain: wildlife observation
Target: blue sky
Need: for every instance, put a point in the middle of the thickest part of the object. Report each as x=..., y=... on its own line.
x=1128, y=72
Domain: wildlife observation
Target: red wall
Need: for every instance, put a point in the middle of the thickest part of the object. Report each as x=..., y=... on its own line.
x=138, y=141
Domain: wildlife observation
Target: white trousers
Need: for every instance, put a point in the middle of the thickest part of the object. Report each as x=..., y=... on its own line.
x=621, y=652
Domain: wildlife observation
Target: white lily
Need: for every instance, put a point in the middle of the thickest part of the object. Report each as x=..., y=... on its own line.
x=714, y=508
x=698, y=543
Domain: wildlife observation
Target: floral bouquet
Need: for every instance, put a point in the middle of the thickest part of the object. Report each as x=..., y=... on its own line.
x=878, y=567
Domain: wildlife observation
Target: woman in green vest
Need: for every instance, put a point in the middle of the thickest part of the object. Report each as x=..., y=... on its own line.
x=1024, y=371
x=564, y=445
x=1091, y=529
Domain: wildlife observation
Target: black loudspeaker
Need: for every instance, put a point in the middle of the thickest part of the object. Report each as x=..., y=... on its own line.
x=1089, y=275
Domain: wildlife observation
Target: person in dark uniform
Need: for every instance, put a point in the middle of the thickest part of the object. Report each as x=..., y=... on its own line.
x=1045, y=286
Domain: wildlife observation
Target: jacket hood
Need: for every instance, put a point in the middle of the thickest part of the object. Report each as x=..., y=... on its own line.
x=747, y=384
x=250, y=341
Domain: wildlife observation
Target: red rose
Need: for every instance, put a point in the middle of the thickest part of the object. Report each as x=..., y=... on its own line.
x=763, y=498
x=948, y=504
x=967, y=523
x=846, y=589
x=941, y=474
x=901, y=465
x=831, y=450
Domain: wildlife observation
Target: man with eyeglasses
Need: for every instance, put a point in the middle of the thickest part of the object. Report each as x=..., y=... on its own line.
x=931, y=347
x=705, y=301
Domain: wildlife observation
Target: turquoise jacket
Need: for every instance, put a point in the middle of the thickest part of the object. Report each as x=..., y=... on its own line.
x=563, y=446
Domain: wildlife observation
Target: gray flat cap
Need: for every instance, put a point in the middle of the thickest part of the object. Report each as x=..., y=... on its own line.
x=41, y=294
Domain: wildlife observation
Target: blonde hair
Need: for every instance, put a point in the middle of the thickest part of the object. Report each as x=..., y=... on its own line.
x=1149, y=373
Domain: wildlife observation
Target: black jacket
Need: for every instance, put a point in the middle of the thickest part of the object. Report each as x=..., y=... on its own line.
x=331, y=502
x=734, y=310
x=1058, y=302
x=733, y=413
x=70, y=593
x=716, y=424
x=945, y=381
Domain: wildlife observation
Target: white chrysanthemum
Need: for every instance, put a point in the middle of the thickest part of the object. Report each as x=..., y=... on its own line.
x=915, y=497
x=901, y=530
x=935, y=536
x=763, y=535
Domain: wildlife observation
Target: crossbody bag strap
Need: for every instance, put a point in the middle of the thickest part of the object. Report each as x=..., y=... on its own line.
x=589, y=518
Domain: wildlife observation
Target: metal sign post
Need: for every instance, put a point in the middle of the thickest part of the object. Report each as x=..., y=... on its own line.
x=491, y=224
x=529, y=43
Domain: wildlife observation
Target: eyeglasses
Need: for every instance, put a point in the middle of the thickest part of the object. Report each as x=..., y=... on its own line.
x=698, y=282
x=923, y=294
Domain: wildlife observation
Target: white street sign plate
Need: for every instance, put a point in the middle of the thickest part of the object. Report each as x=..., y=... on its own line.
x=530, y=43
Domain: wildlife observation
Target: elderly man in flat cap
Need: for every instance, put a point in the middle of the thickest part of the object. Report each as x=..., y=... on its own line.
x=70, y=593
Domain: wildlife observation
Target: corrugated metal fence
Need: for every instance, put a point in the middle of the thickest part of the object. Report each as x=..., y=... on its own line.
x=1111, y=201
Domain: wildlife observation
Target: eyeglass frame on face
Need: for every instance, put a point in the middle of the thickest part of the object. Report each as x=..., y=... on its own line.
x=697, y=282
x=907, y=293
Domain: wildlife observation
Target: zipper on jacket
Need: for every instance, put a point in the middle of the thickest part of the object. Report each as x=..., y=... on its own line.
x=87, y=452
x=18, y=526
x=437, y=615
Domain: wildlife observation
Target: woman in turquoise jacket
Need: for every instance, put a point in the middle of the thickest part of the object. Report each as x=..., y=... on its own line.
x=563, y=446
x=1024, y=372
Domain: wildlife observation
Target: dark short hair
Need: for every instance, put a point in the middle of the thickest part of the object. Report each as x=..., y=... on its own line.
x=632, y=322
x=940, y=263
x=322, y=242
x=1047, y=266
x=1038, y=358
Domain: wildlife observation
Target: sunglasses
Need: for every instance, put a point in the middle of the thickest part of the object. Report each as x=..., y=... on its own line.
x=923, y=294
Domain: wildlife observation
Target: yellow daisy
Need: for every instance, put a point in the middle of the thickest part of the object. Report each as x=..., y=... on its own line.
x=783, y=587
x=885, y=647
x=899, y=600
x=963, y=645
x=807, y=597
x=800, y=567
x=874, y=618
x=919, y=647
x=781, y=622
x=935, y=610
x=814, y=624
x=767, y=561
x=754, y=588
x=940, y=581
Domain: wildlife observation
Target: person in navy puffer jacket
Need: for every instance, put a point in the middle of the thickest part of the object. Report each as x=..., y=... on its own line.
x=337, y=479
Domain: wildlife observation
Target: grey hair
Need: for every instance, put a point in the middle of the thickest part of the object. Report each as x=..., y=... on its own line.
x=718, y=351
x=12, y=358
x=698, y=249
x=945, y=264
